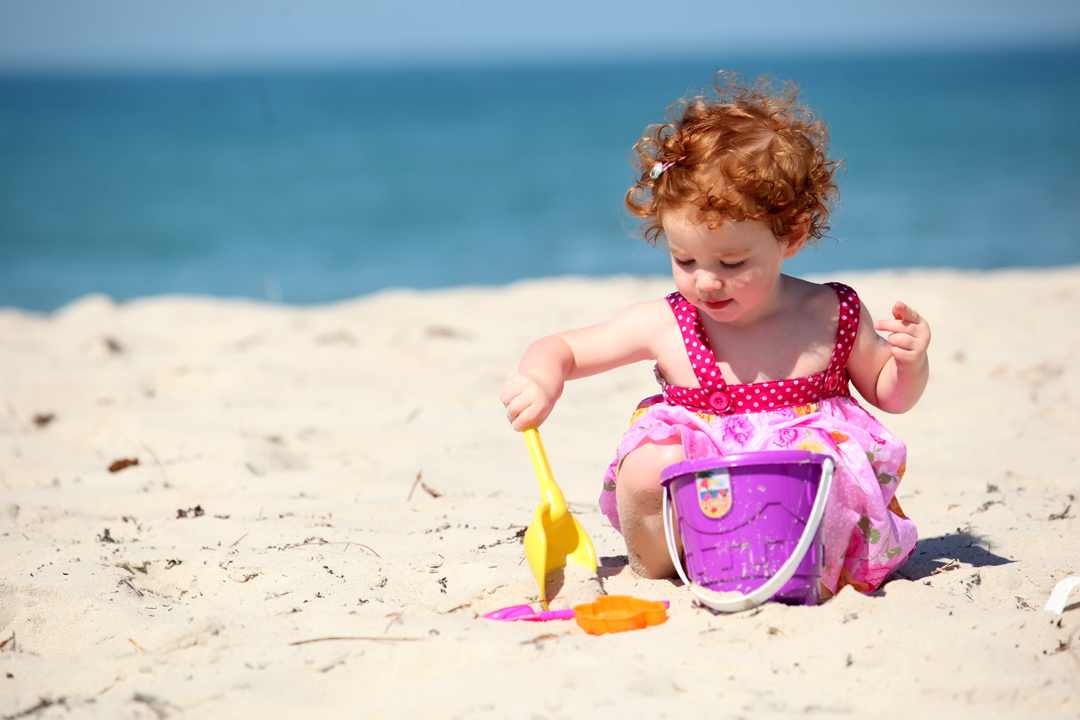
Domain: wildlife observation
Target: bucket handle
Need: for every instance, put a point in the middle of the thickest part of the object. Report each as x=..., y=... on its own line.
x=736, y=601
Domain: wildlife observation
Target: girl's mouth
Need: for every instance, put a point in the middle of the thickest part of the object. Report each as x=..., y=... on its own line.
x=716, y=304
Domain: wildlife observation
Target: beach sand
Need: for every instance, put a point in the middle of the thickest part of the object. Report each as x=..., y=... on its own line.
x=327, y=499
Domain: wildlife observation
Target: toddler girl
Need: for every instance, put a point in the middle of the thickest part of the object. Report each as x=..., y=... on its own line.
x=747, y=358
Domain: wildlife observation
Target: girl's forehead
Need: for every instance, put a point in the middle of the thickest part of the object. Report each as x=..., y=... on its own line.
x=683, y=216
x=687, y=229
x=691, y=219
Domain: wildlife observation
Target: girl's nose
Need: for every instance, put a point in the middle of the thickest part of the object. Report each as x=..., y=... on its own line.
x=707, y=282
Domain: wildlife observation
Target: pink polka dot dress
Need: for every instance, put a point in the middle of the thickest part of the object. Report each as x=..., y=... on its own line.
x=866, y=534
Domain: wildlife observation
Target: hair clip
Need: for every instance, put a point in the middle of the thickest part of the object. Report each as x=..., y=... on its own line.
x=659, y=168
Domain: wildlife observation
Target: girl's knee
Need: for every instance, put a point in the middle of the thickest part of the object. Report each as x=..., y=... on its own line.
x=640, y=471
x=640, y=502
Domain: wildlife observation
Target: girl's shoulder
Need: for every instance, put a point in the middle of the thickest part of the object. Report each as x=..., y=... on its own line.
x=825, y=289
x=638, y=324
x=819, y=299
x=648, y=324
x=650, y=312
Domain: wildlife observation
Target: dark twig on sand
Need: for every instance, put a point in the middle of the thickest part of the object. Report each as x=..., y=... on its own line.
x=952, y=565
x=423, y=485
x=321, y=541
x=119, y=465
x=157, y=461
x=358, y=637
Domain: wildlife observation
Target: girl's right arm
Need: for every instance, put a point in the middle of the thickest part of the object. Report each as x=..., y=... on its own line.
x=548, y=363
x=891, y=372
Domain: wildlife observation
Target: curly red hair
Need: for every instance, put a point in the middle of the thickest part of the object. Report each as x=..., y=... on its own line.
x=743, y=152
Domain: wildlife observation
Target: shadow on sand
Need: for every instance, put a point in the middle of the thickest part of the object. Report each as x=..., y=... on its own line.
x=936, y=552
x=930, y=554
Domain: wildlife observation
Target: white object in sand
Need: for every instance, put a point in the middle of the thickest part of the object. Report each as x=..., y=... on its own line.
x=1060, y=594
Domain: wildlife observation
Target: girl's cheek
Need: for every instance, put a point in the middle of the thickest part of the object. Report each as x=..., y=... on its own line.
x=748, y=277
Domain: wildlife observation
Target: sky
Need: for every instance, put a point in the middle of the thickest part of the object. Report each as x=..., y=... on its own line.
x=207, y=36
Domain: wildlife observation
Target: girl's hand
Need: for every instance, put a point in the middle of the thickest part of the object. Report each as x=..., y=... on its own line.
x=529, y=399
x=909, y=336
x=549, y=362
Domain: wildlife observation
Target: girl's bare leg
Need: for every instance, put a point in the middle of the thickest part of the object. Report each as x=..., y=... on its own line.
x=640, y=500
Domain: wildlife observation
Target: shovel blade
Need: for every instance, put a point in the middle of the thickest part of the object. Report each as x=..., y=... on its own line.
x=536, y=548
x=555, y=537
x=553, y=544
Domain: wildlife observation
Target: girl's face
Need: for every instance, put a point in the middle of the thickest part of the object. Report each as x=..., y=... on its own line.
x=731, y=272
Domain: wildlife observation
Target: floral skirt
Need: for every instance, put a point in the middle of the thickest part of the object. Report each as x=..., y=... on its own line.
x=865, y=533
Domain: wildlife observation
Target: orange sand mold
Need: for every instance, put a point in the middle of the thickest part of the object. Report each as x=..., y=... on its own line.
x=618, y=613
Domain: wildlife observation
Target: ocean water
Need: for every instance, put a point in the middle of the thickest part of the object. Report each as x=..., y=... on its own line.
x=309, y=188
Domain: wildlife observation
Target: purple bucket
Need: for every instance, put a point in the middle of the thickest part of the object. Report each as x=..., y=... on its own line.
x=741, y=517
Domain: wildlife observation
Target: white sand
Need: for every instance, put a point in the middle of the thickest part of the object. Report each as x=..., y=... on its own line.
x=572, y=585
x=323, y=580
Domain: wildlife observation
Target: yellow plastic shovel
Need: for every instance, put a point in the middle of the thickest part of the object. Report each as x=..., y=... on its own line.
x=555, y=537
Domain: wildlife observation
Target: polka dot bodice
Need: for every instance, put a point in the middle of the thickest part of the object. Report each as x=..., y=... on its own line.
x=716, y=396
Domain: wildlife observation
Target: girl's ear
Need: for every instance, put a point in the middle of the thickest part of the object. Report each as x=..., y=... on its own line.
x=796, y=237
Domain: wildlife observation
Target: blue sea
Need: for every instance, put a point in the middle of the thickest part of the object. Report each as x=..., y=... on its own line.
x=313, y=187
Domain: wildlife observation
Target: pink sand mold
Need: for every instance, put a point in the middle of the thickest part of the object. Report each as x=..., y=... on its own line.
x=526, y=612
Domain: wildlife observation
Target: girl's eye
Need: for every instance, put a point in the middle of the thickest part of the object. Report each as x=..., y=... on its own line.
x=682, y=263
x=732, y=266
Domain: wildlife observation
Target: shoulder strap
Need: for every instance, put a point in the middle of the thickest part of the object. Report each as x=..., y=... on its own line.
x=701, y=356
x=847, y=326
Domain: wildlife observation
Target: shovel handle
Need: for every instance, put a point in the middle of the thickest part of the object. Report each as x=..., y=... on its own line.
x=548, y=489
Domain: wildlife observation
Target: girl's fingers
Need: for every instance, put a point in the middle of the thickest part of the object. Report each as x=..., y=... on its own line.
x=522, y=412
x=529, y=416
x=894, y=326
x=518, y=423
x=903, y=341
x=911, y=327
x=901, y=311
x=527, y=402
x=516, y=406
x=510, y=389
x=885, y=325
x=519, y=420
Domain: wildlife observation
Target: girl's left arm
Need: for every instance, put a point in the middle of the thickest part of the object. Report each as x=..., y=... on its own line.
x=891, y=372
